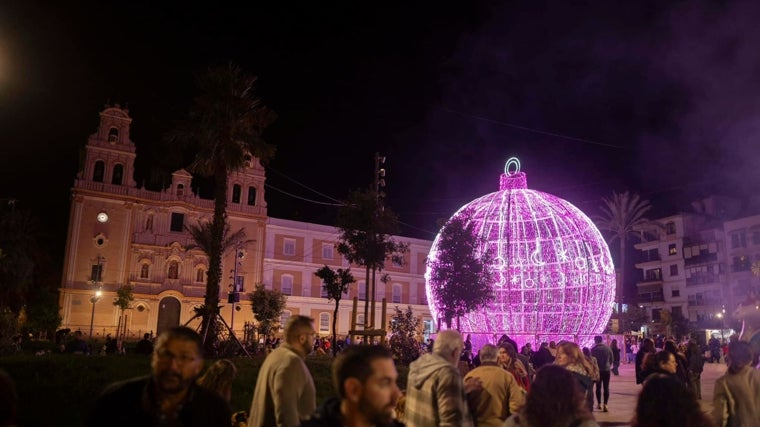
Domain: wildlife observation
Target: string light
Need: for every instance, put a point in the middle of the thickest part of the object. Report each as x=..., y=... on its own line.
x=554, y=276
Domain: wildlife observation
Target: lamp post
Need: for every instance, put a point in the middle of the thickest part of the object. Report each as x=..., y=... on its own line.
x=234, y=296
x=95, y=298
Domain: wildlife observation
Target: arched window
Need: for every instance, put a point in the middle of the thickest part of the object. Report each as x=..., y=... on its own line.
x=118, y=174
x=113, y=135
x=396, y=293
x=251, y=196
x=324, y=322
x=180, y=190
x=286, y=284
x=173, y=270
x=236, y=193
x=100, y=170
x=149, y=223
x=200, y=275
x=359, y=320
x=145, y=271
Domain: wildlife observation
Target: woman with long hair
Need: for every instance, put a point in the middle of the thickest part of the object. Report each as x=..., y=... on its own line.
x=555, y=400
x=647, y=346
x=665, y=402
x=570, y=357
x=509, y=361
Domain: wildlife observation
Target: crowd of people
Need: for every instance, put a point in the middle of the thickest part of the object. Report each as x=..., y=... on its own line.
x=560, y=384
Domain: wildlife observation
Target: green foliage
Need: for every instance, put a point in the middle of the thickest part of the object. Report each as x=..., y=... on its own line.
x=404, y=340
x=43, y=315
x=123, y=297
x=633, y=318
x=21, y=256
x=267, y=306
x=223, y=131
x=365, y=238
x=335, y=284
x=461, y=277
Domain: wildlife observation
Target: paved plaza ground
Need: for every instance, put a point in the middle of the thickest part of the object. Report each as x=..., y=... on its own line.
x=624, y=391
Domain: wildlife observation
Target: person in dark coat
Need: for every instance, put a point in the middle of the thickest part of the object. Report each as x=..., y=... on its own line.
x=647, y=346
x=169, y=396
x=145, y=345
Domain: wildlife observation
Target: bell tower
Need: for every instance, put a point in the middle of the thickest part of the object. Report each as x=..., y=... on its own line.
x=109, y=156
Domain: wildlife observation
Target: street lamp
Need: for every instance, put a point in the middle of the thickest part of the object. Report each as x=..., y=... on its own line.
x=95, y=298
x=722, y=317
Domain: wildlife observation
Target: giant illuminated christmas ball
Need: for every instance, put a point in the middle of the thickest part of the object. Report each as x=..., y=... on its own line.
x=554, y=277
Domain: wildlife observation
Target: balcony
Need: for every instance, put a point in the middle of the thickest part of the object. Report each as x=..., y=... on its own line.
x=704, y=279
x=702, y=258
x=650, y=297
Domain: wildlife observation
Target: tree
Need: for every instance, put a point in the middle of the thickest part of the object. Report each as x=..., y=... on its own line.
x=123, y=299
x=461, y=275
x=223, y=131
x=623, y=217
x=267, y=306
x=365, y=239
x=404, y=328
x=633, y=318
x=335, y=283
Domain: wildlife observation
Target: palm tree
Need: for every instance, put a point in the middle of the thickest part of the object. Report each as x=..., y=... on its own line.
x=623, y=217
x=223, y=130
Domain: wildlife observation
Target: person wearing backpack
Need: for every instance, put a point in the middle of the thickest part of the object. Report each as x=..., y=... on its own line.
x=695, y=364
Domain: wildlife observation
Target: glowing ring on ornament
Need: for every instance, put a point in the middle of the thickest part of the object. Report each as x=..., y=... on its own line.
x=512, y=161
x=529, y=283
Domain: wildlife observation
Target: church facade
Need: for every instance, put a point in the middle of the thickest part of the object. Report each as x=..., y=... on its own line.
x=120, y=234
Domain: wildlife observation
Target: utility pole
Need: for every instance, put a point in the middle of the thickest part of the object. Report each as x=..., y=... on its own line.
x=379, y=196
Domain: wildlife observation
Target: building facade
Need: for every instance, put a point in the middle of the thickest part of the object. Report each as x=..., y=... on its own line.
x=120, y=234
x=698, y=265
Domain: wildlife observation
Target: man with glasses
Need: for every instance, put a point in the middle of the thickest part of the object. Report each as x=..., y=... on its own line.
x=284, y=393
x=168, y=397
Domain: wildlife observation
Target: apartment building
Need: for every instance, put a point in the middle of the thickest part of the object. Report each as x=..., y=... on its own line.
x=698, y=265
x=121, y=234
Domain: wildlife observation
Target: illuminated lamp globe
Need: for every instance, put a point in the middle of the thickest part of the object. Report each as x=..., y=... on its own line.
x=553, y=274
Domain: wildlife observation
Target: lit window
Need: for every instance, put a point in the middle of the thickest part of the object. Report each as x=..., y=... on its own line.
x=286, y=284
x=289, y=247
x=672, y=250
x=324, y=322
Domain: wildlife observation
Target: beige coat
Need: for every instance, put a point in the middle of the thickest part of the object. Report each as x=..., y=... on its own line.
x=500, y=397
x=737, y=396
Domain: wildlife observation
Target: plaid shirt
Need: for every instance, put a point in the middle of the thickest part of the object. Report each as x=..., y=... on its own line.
x=435, y=395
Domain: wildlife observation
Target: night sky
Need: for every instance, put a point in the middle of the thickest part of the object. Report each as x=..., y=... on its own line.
x=660, y=98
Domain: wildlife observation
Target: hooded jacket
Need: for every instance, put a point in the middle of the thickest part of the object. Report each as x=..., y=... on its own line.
x=435, y=394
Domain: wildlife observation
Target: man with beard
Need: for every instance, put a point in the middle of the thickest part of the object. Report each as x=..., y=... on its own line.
x=284, y=392
x=365, y=377
x=168, y=397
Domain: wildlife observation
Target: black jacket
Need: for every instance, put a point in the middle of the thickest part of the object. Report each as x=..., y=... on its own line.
x=328, y=415
x=133, y=403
